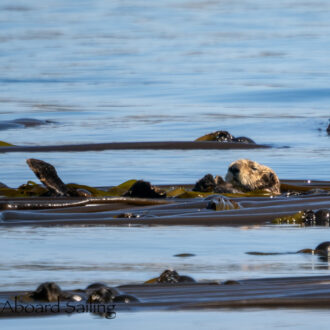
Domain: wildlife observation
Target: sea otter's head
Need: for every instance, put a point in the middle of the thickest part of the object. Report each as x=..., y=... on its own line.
x=248, y=175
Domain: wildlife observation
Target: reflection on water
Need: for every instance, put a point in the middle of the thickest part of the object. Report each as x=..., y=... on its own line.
x=254, y=319
x=78, y=256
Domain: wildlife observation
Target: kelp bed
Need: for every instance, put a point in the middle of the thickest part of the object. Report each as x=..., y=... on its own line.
x=106, y=206
x=298, y=292
x=153, y=145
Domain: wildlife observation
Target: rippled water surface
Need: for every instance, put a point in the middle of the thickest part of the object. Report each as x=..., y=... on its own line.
x=143, y=70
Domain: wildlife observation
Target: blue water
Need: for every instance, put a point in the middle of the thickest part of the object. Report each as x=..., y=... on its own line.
x=125, y=70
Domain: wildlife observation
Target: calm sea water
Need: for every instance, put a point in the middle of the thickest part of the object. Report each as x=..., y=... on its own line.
x=162, y=70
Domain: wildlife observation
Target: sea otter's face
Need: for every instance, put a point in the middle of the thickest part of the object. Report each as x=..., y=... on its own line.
x=248, y=175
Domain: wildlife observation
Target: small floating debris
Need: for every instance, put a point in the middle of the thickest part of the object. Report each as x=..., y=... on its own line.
x=184, y=255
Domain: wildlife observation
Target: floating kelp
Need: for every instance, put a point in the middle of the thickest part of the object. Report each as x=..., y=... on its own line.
x=28, y=189
x=300, y=189
x=293, y=219
x=6, y=144
x=268, y=293
x=94, y=192
x=121, y=189
x=222, y=203
x=322, y=251
x=193, y=194
x=153, y=145
x=319, y=217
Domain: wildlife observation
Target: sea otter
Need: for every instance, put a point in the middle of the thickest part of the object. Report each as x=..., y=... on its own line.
x=243, y=175
x=247, y=175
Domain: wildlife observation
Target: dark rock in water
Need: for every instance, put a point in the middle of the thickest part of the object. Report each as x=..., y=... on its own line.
x=47, y=174
x=205, y=184
x=308, y=218
x=323, y=250
x=125, y=299
x=318, y=218
x=102, y=295
x=224, y=136
x=243, y=139
x=172, y=276
x=48, y=291
x=322, y=217
x=144, y=189
x=94, y=287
